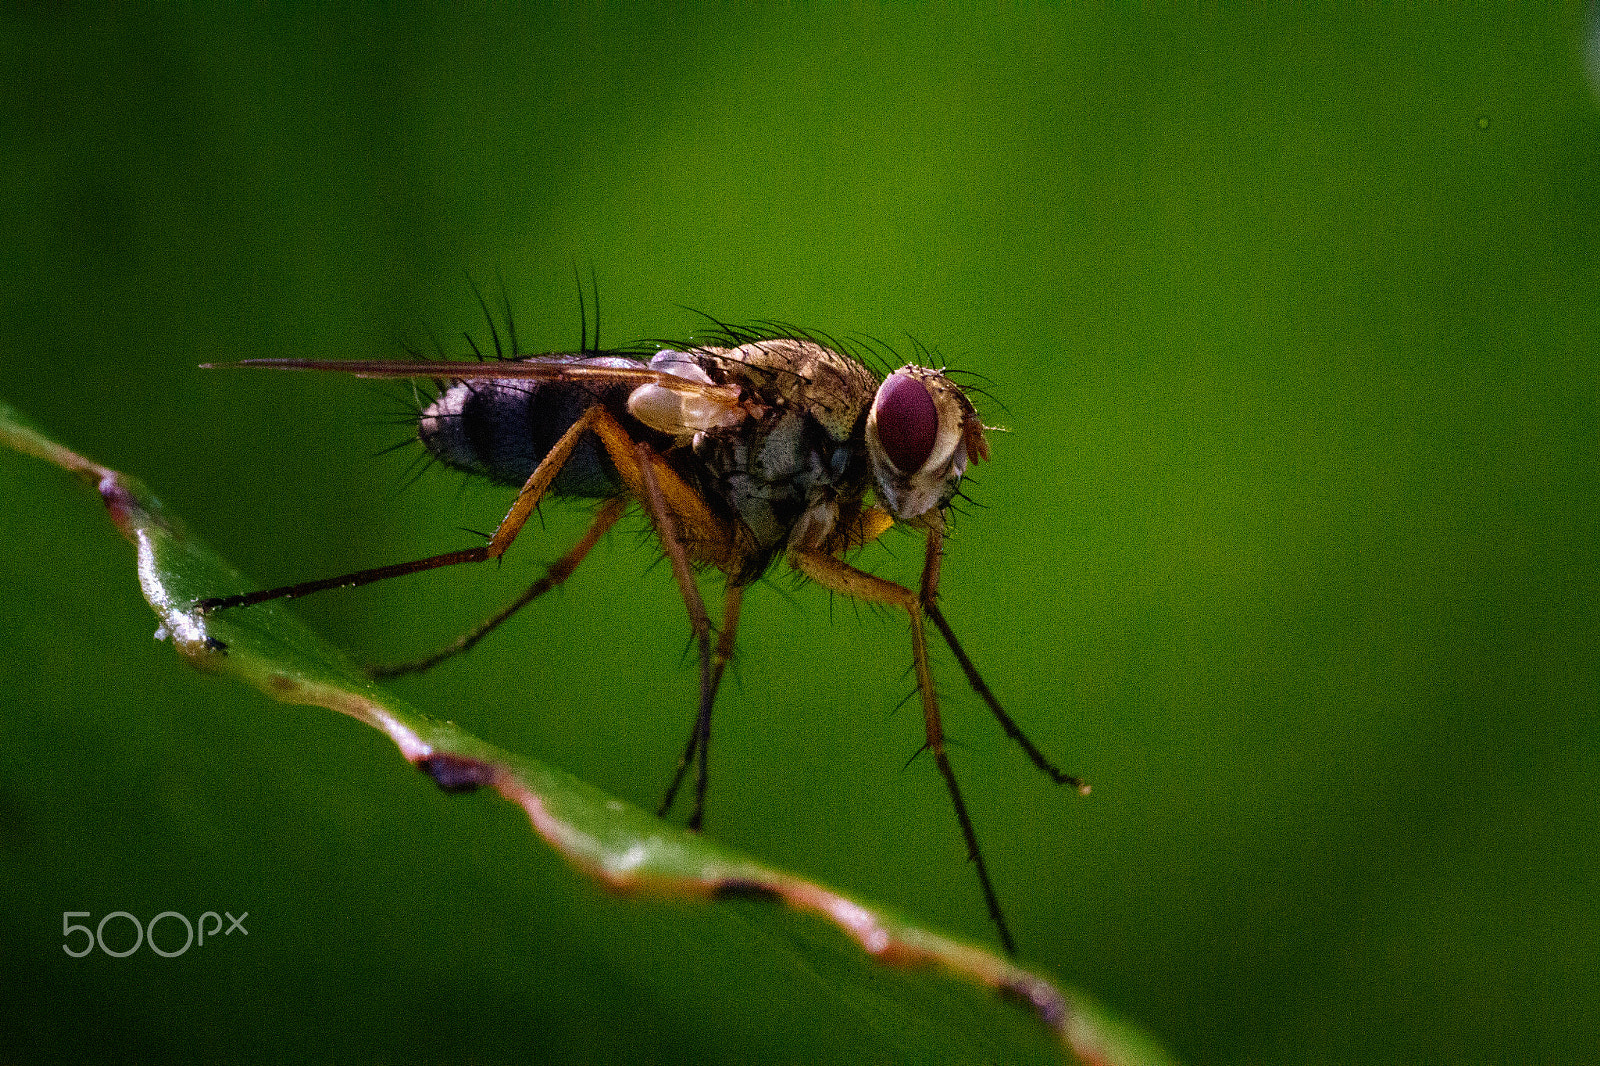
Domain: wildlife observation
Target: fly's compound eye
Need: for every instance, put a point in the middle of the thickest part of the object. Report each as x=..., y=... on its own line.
x=918, y=434
x=907, y=422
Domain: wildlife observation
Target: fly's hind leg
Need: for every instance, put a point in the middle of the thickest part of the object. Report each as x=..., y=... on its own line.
x=554, y=575
x=837, y=576
x=527, y=499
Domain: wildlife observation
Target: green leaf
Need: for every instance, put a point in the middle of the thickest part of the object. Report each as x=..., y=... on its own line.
x=926, y=992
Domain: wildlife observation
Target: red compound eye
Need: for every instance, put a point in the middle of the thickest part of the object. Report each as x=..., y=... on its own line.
x=908, y=423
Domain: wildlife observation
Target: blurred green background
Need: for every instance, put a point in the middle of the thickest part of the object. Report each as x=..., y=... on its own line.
x=1291, y=547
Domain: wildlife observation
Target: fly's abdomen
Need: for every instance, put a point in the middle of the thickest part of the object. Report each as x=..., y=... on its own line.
x=503, y=429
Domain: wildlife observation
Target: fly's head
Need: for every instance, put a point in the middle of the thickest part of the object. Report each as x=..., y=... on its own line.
x=921, y=432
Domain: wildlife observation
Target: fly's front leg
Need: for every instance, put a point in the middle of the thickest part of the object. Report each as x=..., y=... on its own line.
x=841, y=577
x=527, y=499
x=554, y=575
x=930, y=593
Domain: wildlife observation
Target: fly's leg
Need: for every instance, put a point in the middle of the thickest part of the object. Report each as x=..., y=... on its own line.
x=700, y=735
x=930, y=593
x=711, y=538
x=557, y=572
x=527, y=499
x=843, y=578
x=699, y=622
x=669, y=501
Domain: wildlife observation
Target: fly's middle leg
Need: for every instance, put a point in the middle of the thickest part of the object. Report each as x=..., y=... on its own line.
x=700, y=735
x=699, y=622
x=680, y=517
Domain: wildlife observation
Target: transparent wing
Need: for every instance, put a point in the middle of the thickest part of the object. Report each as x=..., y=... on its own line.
x=536, y=368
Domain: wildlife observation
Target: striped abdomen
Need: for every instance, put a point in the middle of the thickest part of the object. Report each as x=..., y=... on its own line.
x=502, y=429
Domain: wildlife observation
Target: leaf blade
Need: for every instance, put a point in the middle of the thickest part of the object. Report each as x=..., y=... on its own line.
x=618, y=844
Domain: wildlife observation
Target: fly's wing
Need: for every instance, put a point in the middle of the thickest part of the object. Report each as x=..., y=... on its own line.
x=534, y=368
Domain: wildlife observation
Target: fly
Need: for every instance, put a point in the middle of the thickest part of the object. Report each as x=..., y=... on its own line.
x=742, y=449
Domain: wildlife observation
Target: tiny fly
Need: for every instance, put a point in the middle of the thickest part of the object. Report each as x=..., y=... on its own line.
x=742, y=447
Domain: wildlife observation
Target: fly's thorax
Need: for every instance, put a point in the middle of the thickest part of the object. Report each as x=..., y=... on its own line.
x=775, y=468
x=803, y=375
x=501, y=429
x=920, y=433
x=789, y=449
